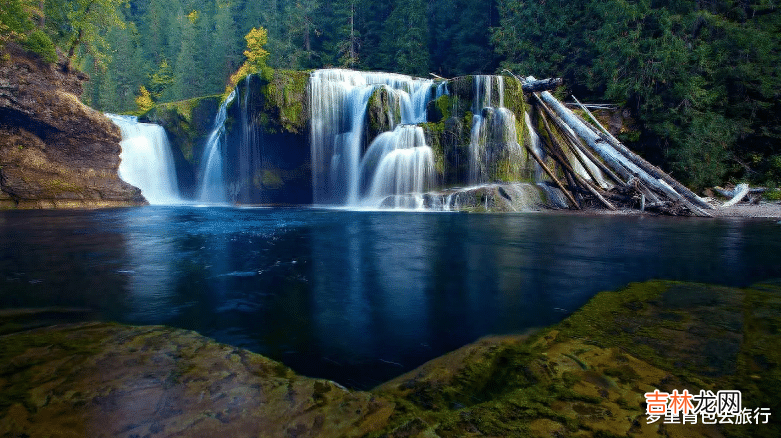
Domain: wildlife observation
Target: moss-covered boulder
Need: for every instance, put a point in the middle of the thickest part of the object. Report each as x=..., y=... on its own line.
x=103, y=380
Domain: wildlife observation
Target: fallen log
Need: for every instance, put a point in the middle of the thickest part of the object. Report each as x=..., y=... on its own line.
x=613, y=157
x=645, y=165
x=740, y=192
x=578, y=156
x=552, y=176
x=575, y=144
x=731, y=193
x=540, y=85
x=558, y=155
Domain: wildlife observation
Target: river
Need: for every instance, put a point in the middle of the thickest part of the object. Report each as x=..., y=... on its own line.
x=354, y=296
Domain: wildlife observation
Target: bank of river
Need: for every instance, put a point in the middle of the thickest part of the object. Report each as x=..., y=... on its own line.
x=585, y=376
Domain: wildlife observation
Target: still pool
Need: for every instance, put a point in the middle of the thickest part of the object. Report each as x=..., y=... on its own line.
x=354, y=296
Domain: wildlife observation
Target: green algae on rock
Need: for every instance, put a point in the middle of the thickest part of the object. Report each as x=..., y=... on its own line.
x=110, y=380
x=584, y=377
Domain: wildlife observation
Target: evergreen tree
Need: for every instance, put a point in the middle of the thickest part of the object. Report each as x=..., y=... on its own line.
x=224, y=54
x=188, y=71
x=405, y=42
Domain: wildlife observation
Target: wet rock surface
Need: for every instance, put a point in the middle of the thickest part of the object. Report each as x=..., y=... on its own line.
x=585, y=377
x=54, y=150
x=109, y=380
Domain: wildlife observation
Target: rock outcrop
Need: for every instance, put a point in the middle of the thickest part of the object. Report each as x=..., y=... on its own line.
x=584, y=377
x=54, y=150
x=103, y=380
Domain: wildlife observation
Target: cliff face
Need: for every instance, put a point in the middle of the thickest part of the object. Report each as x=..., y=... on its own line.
x=268, y=151
x=54, y=150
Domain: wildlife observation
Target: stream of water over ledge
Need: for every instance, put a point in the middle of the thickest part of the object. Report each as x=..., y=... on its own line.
x=354, y=296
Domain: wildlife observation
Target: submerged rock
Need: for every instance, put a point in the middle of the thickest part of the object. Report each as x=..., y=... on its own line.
x=54, y=150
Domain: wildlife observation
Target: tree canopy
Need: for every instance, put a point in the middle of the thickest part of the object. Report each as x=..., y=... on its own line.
x=699, y=80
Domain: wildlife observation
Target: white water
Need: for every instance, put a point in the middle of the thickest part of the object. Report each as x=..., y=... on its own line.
x=487, y=102
x=212, y=187
x=147, y=161
x=398, y=162
x=338, y=104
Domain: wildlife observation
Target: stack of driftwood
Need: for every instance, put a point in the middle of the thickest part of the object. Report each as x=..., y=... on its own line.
x=608, y=174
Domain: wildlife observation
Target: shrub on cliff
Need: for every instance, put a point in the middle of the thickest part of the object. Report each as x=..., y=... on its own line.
x=255, y=61
x=40, y=43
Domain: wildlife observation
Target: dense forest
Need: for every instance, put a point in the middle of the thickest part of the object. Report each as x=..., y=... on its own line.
x=700, y=80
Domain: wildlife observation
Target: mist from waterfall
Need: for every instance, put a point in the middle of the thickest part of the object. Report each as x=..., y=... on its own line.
x=147, y=161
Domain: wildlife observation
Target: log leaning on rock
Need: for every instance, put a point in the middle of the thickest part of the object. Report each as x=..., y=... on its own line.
x=645, y=165
x=613, y=158
x=540, y=85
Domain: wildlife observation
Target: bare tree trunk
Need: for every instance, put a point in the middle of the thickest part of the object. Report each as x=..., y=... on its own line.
x=645, y=165
x=612, y=157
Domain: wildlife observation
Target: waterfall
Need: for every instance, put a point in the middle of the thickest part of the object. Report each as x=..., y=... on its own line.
x=484, y=104
x=338, y=105
x=213, y=188
x=146, y=160
x=398, y=162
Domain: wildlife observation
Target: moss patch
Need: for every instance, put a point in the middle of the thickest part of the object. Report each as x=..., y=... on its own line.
x=587, y=375
x=285, y=101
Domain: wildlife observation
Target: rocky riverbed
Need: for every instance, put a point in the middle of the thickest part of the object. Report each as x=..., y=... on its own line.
x=586, y=376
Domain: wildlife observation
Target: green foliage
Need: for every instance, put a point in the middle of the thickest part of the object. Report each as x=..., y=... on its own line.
x=16, y=19
x=144, y=100
x=700, y=78
x=256, y=55
x=161, y=80
x=40, y=43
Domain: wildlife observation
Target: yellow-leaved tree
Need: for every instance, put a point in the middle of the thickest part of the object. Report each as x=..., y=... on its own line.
x=255, y=55
x=144, y=100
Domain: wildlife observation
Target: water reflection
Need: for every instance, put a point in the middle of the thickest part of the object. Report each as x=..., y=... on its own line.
x=356, y=296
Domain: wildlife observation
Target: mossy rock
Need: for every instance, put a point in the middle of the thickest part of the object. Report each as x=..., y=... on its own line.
x=285, y=102
x=187, y=122
x=587, y=376
x=383, y=112
x=439, y=109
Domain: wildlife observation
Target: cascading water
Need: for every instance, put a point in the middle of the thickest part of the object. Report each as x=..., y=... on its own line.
x=338, y=105
x=212, y=187
x=398, y=162
x=146, y=160
x=486, y=102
